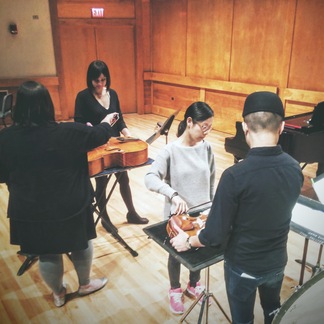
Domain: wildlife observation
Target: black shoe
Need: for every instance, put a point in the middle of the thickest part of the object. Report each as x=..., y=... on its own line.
x=108, y=225
x=136, y=219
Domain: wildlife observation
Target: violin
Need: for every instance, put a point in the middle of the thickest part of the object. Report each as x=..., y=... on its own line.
x=117, y=152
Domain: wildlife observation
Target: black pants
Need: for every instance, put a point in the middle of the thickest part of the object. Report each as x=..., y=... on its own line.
x=174, y=267
x=101, y=195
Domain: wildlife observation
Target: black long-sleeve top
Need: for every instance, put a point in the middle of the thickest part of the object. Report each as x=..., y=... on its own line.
x=46, y=169
x=88, y=109
x=251, y=211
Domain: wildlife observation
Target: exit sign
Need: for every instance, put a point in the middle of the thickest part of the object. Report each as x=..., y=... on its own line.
x=97, y=12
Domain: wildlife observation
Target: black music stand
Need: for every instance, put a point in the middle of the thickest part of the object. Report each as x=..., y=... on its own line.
x=163, y=129
x=196, y=259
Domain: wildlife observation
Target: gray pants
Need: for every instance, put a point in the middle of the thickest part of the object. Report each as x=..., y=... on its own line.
x=52, y=269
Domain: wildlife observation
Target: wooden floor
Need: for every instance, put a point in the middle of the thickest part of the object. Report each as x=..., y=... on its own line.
x=138, y=286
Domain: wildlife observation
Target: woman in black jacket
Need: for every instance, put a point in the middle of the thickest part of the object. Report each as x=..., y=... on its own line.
x=45, y=167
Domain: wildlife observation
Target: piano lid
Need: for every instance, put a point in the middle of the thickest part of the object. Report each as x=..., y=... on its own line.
x=304, y=144
x=307, y=122
x=299, y=122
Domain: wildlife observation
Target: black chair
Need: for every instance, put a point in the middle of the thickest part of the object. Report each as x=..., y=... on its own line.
x=3, y=93
x=6, y=107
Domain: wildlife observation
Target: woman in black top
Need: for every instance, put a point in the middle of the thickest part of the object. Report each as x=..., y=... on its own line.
x=92, y=105
x=45, y=167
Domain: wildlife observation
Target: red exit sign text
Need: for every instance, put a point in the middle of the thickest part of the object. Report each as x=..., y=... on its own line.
x=97, y=12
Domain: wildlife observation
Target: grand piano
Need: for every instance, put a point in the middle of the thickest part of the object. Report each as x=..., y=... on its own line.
x=301, y=138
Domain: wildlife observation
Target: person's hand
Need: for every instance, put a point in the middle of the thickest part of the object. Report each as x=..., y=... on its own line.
x=179, y=242
x=126, y=132
x=111, y=119
x=180, y=205
x=89, y=124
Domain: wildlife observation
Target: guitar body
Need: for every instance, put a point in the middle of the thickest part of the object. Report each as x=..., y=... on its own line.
x=118, y=152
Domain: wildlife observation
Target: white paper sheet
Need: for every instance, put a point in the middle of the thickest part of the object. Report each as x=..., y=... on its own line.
x=318, y=185
x=309, y=221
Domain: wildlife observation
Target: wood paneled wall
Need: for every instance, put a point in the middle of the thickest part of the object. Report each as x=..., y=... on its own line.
x=307, y=57
x=112, y=39
x=78, y=39
x=173, y=52
x=220, y=51
x=51, y=83
x=82, y=9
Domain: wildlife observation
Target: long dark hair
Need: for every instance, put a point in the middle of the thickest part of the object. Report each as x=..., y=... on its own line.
x=198, y=111
x=94, y=70
x=34, y=105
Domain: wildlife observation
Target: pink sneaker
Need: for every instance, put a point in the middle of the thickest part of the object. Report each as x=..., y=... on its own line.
x=194, y=292
x=176, y=301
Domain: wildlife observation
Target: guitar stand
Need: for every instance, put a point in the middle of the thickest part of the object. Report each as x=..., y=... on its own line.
x=113, y=230
x=205, y=295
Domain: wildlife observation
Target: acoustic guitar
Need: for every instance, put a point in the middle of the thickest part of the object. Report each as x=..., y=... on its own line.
x=118, y=152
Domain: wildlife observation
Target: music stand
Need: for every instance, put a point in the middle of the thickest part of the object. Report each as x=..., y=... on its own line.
x=163, y=130
x=307, y=220
x=193, y=260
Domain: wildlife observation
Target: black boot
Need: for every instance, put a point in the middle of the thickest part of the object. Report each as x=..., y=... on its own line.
x=108, y=225
x=134, y=218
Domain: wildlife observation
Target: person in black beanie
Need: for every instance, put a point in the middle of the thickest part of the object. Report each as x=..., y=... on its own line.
x=251, y=213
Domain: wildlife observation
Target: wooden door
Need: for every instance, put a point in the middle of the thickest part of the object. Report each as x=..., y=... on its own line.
x=83, y=43
x=115, y=46
x=78, y=49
